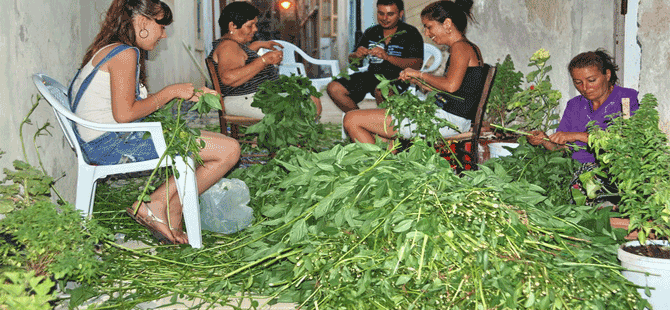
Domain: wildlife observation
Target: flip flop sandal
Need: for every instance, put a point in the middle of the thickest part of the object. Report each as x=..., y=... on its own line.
x=145, y=221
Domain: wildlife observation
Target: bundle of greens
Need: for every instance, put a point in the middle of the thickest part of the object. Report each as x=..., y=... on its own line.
x=356, y=227
x=290, y=113
x=407, y=105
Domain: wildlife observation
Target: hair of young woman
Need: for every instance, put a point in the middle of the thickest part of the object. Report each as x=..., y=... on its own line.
x=398, y=3
x=118, y=24
x=599, y=59
x=459, y=11
x=238, y=12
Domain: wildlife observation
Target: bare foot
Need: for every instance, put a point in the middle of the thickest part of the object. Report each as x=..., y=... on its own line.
x=149, y=216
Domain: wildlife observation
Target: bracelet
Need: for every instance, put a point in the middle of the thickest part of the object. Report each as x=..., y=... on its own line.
x=263, y=59
x=421, y=75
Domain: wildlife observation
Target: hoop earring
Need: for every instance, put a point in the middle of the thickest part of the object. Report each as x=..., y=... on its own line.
x=144, y=33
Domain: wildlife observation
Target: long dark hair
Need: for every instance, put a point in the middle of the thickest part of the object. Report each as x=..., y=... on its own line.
x=459, y=11
x=118, y=24
x=599, y=59
x=238, y=12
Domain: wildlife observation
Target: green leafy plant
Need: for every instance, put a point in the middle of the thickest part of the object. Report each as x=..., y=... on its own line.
x=635, y=154
x=356, y=227
x=408, y=106
x=24, y=290
x=507, y=83
x=535, y=108
x=47, y=238
x=290, y=114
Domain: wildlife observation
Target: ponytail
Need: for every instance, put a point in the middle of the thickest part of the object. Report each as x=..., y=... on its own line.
x=458, y=11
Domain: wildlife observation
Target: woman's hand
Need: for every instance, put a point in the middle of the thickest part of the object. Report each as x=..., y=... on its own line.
x=203, y=90
x=562, y=137
x=273, y=57
x=183, y=91
x=537, y=138
x=410, y=74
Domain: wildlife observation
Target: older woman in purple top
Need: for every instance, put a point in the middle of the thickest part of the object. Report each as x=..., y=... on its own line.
x=594, y=76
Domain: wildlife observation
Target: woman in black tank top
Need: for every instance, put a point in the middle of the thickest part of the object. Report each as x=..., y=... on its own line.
x=445, y=23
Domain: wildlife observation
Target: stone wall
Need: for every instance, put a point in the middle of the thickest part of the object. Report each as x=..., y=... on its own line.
x=654, y=38
x=50, y=36
x=520, y=27
x=37, y=36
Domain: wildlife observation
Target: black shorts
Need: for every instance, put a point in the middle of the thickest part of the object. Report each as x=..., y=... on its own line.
x=362, y=83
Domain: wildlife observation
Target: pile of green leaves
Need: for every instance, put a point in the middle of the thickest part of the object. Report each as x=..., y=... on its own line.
x=356, y=227
x=551, y=170
x=535, y=108
x=506, y=84
x=290, y=114
x=421, y=112
x=637, y=157
x=24, y=290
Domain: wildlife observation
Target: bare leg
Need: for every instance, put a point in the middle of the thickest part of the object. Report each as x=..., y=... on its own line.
x=340, y=96
x=364, y=125
x=319, y=107
x=220, y=154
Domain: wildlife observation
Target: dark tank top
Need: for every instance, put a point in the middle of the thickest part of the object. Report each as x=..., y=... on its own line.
x=251, y=86
x=470, y=91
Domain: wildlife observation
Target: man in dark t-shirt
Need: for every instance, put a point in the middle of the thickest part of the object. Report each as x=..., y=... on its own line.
x=387, y=57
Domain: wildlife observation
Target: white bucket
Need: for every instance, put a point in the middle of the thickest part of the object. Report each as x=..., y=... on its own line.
x=648, y=271
x=497, y=149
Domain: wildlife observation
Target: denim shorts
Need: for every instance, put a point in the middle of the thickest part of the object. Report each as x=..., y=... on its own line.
x=119, y=147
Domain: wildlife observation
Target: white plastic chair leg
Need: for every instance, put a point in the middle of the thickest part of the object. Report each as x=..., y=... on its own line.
x=344, y=132
x=188, y=193
x=85, y=190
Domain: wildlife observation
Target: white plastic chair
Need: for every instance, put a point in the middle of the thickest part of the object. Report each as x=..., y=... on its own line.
x=289, y=65
x=87, y=175
x=429, y=51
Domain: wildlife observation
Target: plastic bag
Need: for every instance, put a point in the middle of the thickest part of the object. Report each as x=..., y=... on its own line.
x=223, y=207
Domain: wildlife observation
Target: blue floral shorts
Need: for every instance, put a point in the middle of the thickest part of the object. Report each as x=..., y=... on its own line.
x=119, y=147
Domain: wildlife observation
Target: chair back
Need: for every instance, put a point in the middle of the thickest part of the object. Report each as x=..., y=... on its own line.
x=289, y=65
x=481, y=108
x=56, y=95
x=429, y=51
x=214, y=76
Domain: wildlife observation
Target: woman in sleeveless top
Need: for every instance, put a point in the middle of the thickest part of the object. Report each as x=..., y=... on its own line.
x=239, y=67
x=107, y=89
x=445, y=23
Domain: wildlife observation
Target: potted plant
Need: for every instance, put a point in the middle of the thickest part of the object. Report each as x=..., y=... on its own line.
x=635, y=154
x=533, y=108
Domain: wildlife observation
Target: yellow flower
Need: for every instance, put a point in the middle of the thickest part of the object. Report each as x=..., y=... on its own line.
x=540, y=57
